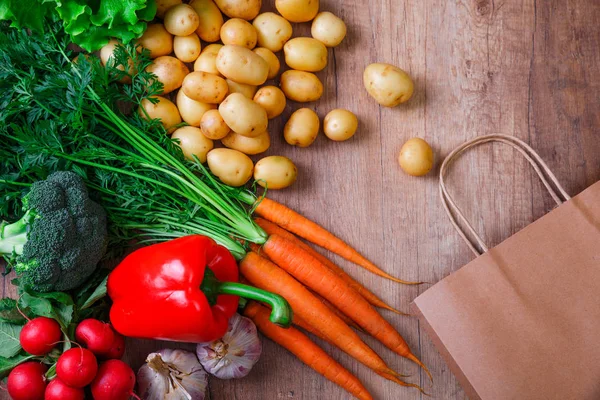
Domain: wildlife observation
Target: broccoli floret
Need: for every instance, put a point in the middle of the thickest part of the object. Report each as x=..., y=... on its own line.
x=60, y=239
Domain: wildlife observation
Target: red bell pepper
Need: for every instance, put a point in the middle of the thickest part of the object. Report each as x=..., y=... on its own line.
x=183, y=290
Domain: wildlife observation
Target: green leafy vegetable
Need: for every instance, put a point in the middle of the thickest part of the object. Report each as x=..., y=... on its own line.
x=96, y=295
x=9, y=339
x=8, y=363
x=9, y=312
x=58, y=306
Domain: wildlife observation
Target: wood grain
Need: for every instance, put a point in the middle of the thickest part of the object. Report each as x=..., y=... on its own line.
x=526, y=68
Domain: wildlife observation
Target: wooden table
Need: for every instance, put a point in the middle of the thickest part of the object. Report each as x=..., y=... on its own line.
x=526, y=68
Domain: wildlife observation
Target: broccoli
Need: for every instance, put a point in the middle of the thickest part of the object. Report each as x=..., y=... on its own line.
x=61, y=238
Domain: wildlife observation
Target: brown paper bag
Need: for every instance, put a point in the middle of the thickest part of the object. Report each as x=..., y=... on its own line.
x=522, y=320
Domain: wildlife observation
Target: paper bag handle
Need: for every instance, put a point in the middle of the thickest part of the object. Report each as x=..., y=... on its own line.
x=534, y=159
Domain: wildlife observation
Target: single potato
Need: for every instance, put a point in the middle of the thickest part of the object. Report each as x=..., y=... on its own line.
x=232, y=167
x=239, y=32
x=164, y=110
x=213, y=126
x=275, y=172
x=297, y=10
x=328, y=29
x=204, y=87
x=157, y=40
x=246, y=90
x=247, y=145
x=273, y=31
x=305, y=54
x=163, y=5
x=242, y=65
x=170, y=71
x=187, y=48
x=106, y=53
x=207, y=60
x=243, y=115
x=191, y=110
x=301, y=86
x=340, y=124
x=193, y=143
x=244, y=9
x=210, y=20
x=416, y=157
x=387, y=84
x=272, y=99
x=302, y=128
x=271, y=59
x=181, y=20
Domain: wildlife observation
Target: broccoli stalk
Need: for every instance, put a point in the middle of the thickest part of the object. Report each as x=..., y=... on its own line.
x=14, y=236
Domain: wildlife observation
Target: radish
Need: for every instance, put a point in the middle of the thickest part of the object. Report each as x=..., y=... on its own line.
x=40, y=335
x=117, y=349
x=58, y=390
x=27, y=381
x=77, y=367
x=115, y=381
x=96, y=335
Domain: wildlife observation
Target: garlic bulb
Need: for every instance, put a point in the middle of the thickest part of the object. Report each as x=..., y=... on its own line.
x=234, y=355
x=172, y=374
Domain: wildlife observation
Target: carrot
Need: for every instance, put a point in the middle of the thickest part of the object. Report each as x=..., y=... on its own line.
x=348, y=321
x=307, y=351
x=273, y=229
x=319, y=278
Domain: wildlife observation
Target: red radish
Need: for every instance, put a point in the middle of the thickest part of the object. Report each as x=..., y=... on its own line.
x=77, y=367
x=27, y=381
x=117, y=349
x=58, y=390
x=96, y=335
x=115, y=381
x=40, y=335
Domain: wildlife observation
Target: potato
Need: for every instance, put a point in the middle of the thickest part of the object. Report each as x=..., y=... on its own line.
x=246, y=90
x=242, y=65
x=272, y=99
x=157, y=40
x=271, y=60
x=239, y=32
x=106, y=53
x=328, y=29
x=170, y=71
x=210, y=18
x=243, y=115
x=297, y=10
x=275, y=172
x=181, y=20
x=302, y=128
x=164, y=110
x=244, y=9
x=204, y=87
x=340, y=124
x=301, y=86
x=193, y=143
x=213, y=126
x=163, y=5
x=416, y=157
x=232, y=167
x=206, y=61
x=387, y=84
x=247, y=145
x=305, y=54
x=187, y=48
x=273, y=31
x=191, y=110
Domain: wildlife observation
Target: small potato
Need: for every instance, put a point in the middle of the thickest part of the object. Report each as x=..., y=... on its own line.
x=328, y=29
x=271, y=59
x=239, y=32
x=206, y=61
x=163, y=5
x=247, y=145
x=164, y=110
x=157, y=40
x=272, y=99
x=302, y=128
x=242, y=65
x=275, y=172
x=193, y=143
x=211, y=19
x=213, y=126
x=387, y=84
x=232, y=167
x=170, y=71
x=191, y=110
x=305, y=54
x=273, y=31
x=106, y=53
x=243, y=115
x=301, y=86
x=246, y=90
x=204, y=87
x=244, y=9
x=340, y=124
x=187, y=48
x=297, y=10
x=416, y=157
x=181, y=20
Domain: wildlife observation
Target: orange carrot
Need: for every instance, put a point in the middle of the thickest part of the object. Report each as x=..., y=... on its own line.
x=273, y=229
x=319, y=278
x=337, y=312
x=307, y=351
